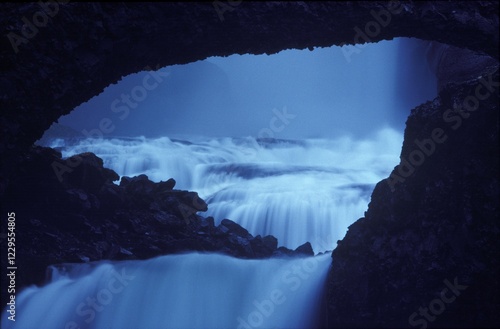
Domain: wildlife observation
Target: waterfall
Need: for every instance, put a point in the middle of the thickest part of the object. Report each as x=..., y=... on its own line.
x=176, y=291
x=308, y=180
x=297, y=190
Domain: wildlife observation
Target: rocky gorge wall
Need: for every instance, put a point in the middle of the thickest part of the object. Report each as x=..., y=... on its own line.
x=82, y=216
x=433, y=224
x=426, y=252
x=58, y=55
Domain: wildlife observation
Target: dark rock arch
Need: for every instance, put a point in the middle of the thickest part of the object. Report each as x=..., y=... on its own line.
x=84, y=47
x=412, y=238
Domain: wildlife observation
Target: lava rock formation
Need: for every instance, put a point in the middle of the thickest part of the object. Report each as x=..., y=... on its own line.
x=432, y=223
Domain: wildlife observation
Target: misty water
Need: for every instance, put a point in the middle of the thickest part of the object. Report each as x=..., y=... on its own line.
x=177, y=291
x=297, y=190
x=290, y=145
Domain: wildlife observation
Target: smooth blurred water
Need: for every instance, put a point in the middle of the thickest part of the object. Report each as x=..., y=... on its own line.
x=297, y=190
x=177, y=291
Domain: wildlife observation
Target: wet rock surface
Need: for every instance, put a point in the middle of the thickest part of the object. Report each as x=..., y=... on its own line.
x=432, y=225
x=82, y=48
x=437, y=224
x=69, y=210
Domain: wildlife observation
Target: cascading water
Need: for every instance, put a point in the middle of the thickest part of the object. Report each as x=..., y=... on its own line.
x=299, y=189
x=177, y=291
x=296, y=190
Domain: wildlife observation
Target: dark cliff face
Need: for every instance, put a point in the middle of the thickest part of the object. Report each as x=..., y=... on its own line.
x=432, y=225
x=75, y=50
x=69, y=210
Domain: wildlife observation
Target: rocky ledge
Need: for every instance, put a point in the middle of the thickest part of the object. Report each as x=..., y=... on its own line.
x=430, y=227
x=426, y=254
x=69, y=210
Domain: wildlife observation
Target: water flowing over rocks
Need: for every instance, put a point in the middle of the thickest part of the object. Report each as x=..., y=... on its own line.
x=434, y=222
x=84, y=47
x=86, y=217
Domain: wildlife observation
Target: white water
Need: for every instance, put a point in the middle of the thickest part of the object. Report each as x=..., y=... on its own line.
x=299, y=191
x=304, y=190
x=308, y=190
x=176, y=291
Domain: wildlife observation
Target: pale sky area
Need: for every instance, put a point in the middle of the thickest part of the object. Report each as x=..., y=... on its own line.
x=295, y=94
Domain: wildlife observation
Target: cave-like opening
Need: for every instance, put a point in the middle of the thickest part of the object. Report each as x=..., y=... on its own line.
x=289, y=144
x=437, y=227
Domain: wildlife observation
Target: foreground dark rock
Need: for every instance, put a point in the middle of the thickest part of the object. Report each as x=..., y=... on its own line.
x=84, y=47
x=432, y=225
x=71, y=211
x=439, y=224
